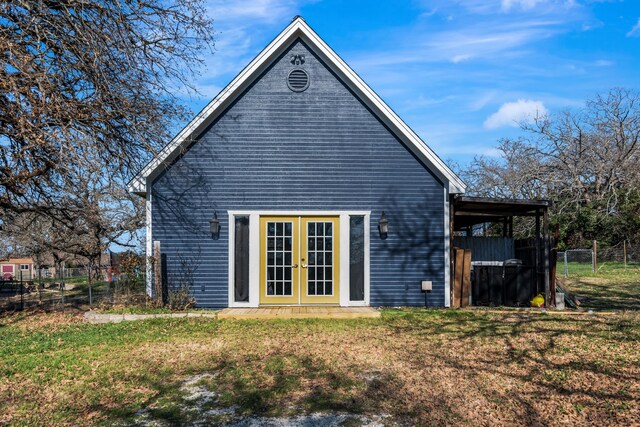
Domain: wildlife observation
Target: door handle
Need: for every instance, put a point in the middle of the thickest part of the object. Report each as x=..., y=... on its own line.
x=294, y=266
x=304, y=265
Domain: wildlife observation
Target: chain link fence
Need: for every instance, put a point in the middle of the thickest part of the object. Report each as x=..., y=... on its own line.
x=623, y=255
x=73, y=289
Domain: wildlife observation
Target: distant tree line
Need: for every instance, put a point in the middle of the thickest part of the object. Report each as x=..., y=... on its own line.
x=586, y=161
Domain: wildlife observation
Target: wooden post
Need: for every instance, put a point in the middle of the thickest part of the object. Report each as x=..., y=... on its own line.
x=157, y=269
x=21, y=292
x=547, y=284
x=457, y=277
x=595, y=255
x=39, y=282
x=466, y=278
x=624, y=252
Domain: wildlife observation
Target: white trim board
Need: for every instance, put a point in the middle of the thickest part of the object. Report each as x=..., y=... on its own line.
x=254, y=253
x=298, y=28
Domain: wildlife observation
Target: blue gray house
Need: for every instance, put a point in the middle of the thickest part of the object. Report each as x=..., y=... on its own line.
x=298, y=185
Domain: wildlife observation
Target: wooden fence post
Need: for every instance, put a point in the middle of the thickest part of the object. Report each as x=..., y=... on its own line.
x=595, y=255
x=157, y=269
x=466, y=278
x=457, y=277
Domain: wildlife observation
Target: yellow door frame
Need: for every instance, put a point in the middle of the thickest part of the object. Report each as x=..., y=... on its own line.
x=299, y=261
x=305, y=298
x=294, y=298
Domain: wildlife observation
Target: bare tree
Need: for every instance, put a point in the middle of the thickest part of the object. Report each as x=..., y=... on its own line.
x=586, y=161
x=89, y=76
x=92, y=212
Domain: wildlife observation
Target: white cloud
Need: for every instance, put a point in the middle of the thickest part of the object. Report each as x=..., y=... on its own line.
x=635, y=31
x=460, y=58
x=604, y=63
x=524, y=4
x=481, y=100
x=527, y=5
x=242, y=28
x=512, y=113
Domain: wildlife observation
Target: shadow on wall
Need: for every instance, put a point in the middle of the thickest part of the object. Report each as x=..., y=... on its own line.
x=414, y=247
x=183, y=205
x=185, y=197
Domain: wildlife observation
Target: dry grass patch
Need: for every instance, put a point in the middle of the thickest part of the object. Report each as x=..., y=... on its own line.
x=420, y=367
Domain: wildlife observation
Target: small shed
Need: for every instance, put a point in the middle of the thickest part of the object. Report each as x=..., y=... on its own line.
x=16, y=269
x=503, y=270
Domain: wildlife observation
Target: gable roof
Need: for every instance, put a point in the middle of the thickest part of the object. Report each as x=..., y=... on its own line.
x=298, y=28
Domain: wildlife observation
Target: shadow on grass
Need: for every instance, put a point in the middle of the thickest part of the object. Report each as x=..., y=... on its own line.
x=285, y=383
x=549, y=370
x=254, y=371
x=603, y=296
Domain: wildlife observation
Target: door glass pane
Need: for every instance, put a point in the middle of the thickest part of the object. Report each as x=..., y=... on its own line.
x=279, y=255
x=320, y=255
x=328, y=288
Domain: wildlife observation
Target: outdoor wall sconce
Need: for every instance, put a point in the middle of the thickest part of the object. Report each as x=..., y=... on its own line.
x=214, y=225
x=383, y=226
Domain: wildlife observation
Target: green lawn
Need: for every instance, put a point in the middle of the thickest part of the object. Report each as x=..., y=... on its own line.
x=410, y=366
x=612, y=287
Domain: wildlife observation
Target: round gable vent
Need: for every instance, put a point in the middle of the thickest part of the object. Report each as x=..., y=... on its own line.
x=298, y=80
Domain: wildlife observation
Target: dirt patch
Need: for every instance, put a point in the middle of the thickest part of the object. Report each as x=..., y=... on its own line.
x=200, y=408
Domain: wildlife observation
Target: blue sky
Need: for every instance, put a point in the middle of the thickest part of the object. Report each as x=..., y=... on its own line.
x=461, y=73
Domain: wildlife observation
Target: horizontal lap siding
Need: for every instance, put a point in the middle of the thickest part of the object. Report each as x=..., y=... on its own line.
x=321, y=149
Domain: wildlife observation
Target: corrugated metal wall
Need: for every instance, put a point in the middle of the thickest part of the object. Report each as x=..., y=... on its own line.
x=487, y=248
x=320, y=149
